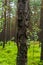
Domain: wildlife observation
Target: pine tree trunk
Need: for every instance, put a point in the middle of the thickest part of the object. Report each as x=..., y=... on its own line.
x=23, y=23
x=5, y=34
x=4, y=30
x=41, y=33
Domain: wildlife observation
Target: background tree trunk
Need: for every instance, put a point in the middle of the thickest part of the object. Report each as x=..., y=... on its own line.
x=9, y=28
x=41, y=33
x=23, y=24
x=5, y=34
x=4, y=30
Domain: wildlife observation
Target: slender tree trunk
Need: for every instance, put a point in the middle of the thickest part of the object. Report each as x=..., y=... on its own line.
x=41, y=33
x=8, y=19
x=23, y=23
x=4, y=30
x=5, y=34
x=8, y=33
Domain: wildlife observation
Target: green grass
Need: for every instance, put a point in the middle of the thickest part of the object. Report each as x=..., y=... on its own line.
x=8, y=55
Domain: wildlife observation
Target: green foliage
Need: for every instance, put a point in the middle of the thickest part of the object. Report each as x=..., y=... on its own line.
x=35, y=18
x=35, y=2
x=8, y=55
x=33, y=55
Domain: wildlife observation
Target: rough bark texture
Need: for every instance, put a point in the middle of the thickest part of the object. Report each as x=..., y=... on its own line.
x=23, y=24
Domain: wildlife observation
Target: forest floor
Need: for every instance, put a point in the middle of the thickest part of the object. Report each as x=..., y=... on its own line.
x=8, y=55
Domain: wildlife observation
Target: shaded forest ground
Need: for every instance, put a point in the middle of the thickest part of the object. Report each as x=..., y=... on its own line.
x=9, y=53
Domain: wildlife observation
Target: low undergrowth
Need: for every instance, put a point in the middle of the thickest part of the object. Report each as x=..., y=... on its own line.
x=8, y=55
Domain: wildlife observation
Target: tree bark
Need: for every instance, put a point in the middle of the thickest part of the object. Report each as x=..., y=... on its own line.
x=8, y=20
x=41, y=32
x=4, y=29
x=23, y=24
